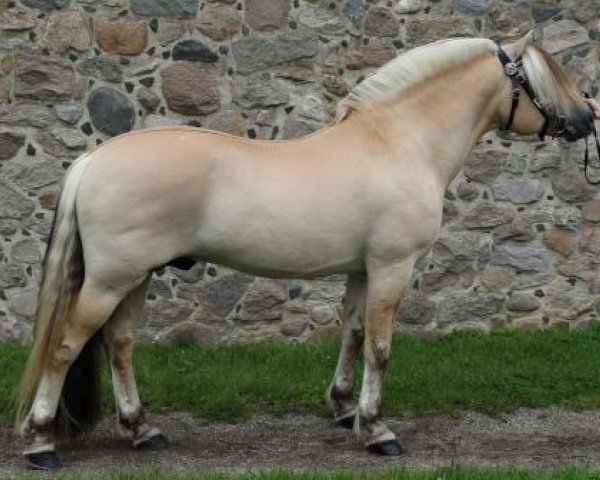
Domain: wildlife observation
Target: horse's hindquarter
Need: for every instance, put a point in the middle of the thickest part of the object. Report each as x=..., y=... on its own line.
x=298, y=208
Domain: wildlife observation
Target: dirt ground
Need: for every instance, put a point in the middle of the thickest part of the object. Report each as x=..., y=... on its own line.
x=540, y=437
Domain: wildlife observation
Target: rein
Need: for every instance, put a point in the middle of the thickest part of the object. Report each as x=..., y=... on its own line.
x=519, y=80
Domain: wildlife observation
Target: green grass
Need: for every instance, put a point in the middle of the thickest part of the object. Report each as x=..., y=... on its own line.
x=466, y=370
x=447, y=473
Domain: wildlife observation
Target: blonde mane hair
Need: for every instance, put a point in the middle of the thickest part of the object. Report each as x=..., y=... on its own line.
x=555, y=90
x=411, y=68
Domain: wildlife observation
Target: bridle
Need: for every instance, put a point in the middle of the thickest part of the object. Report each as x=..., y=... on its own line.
x=561, y=128
x=514, y=70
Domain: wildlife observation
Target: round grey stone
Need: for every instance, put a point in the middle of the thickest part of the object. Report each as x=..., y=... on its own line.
x=111, y=112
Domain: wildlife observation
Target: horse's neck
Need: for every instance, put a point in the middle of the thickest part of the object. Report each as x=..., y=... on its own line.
x=441, y=120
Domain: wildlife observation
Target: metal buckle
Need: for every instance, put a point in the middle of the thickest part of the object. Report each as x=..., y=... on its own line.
x=511, y=69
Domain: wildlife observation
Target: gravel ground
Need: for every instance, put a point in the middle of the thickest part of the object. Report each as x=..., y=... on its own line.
x=539, y=437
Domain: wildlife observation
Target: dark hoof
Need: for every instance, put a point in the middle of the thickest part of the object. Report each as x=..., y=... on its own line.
x=346, y=422
x=157, y=442
x=43, y=461
x=389, y=448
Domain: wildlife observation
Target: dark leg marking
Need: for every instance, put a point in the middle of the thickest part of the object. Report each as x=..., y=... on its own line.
x=146, y=443
x=133, y=423
x=47, y=427
x=45, y=460
x=341, y=399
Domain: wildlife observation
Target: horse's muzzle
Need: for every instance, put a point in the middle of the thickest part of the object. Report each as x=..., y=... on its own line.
x=579, y=125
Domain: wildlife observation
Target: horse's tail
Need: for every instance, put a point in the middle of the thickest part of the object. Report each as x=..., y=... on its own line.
x=63, y=276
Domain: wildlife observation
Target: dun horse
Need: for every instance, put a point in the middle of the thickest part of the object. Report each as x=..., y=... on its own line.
x=362, y=196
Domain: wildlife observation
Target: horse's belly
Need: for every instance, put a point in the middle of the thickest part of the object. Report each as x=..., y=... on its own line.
x=280, y=253
x=269, y=268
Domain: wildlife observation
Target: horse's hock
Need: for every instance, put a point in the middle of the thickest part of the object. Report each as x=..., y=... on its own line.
x=521, y=232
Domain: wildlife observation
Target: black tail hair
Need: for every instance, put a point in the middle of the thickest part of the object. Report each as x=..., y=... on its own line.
x=80, y=407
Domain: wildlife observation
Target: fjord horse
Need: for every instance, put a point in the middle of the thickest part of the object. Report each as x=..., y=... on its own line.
x=362, y=196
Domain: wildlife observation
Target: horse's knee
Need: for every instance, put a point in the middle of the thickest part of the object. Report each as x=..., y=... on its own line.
x=64, y=354
x=121, y=352
x=122, y=345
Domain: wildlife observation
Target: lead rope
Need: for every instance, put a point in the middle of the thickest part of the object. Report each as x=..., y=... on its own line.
x=586, y=158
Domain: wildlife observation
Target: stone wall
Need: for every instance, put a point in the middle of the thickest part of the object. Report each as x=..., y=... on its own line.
x=521, y=238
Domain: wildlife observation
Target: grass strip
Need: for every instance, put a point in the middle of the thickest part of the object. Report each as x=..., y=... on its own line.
x=454, y=472
x=460, y=371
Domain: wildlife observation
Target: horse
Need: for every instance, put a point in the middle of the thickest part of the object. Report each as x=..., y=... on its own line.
x=363, y=196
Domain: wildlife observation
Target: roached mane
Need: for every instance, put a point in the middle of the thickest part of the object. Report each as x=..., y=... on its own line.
x=554, y=88
x=411, y=68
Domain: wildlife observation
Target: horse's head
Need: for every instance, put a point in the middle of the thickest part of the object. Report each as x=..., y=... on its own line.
x=543, y=98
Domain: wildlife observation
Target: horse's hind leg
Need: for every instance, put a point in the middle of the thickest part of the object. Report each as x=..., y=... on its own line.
x=339, y=393
x=119, y=335
x=387, y=283
x=93, y=307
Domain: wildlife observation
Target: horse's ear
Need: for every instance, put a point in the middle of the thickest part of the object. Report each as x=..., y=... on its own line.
x=518, y=47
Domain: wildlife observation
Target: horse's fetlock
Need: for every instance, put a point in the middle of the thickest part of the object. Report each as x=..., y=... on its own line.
x=340, y=393
x=132, y=420
x=369, y=412
x=378, y=431
x=380, y=353
x=43, y=425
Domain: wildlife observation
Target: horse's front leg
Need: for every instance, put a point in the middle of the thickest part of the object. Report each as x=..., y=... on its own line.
x=387, y=282
x=339, y=393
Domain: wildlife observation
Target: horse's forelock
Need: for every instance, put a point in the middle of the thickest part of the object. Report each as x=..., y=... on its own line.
x=555, y=89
